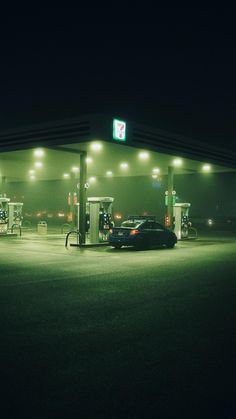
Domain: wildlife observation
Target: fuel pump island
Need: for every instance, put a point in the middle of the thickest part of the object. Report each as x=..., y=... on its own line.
x=177, y=214
x=10, y=216
x=98, y=220
x=181, y=223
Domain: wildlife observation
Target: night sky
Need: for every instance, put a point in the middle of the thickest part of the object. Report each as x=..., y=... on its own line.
x=173, y=68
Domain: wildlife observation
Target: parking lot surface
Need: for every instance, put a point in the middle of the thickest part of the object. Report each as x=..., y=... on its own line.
x=101, y=332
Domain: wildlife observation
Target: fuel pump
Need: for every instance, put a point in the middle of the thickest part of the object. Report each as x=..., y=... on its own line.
x=15, y=214
x=98, y=218
x=100, y=213
x=4, y=214
x=181, y=220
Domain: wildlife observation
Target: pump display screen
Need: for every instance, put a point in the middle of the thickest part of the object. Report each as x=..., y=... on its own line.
x=3, y=216
x=104, y=221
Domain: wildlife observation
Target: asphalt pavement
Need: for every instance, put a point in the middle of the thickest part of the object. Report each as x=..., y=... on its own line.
x=106, y=333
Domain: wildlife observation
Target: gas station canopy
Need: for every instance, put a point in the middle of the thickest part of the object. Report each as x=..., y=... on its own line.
x=114, y=147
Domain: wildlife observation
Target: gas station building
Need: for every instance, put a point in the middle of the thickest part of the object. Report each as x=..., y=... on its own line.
x=82, y=150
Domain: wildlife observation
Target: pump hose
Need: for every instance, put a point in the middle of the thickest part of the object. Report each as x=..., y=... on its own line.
x=15, y=225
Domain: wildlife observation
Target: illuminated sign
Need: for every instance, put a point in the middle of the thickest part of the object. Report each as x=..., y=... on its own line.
x=119, y=130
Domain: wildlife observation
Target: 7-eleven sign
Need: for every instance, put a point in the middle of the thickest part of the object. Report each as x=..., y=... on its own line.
x=119, y=130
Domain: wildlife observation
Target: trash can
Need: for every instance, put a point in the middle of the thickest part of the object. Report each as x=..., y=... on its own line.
x=42, y=227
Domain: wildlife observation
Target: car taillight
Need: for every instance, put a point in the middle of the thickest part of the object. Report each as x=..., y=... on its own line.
x=133, y=232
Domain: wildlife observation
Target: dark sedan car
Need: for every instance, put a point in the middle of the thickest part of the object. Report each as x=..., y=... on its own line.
x=141, y=232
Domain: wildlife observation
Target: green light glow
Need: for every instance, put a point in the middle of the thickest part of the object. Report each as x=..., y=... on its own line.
x=96, y=146
x=206, y=168
x=38, y=164
x=92, y=179
x=124, y=165
x=38, y=152
x=144, y=155
x=177, y=162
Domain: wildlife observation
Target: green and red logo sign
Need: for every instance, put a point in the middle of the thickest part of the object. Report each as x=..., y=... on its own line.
x=119, y=130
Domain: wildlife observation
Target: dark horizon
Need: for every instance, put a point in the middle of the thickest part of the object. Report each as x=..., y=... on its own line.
x=176, y=73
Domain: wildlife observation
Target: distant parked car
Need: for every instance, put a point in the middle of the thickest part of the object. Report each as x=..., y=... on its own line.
x=141, y=232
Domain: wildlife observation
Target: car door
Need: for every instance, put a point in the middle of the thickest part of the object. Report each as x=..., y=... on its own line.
x=148, y=232
x=159, y=234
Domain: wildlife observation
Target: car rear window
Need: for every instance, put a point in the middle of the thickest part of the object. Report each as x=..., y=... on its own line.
x=130, y=224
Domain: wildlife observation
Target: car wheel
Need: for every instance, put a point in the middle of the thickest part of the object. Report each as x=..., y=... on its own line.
x=170, y=244
x=117, y=246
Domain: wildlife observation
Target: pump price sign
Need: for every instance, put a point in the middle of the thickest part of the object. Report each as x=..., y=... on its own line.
x=119, y=130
